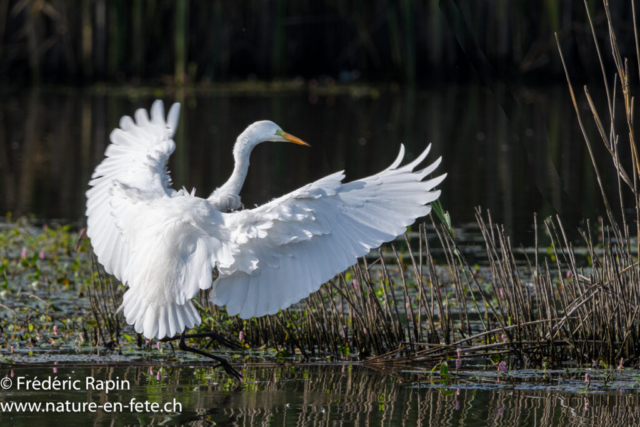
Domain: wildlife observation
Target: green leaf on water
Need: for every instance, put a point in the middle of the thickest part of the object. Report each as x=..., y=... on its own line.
x=283, y=353
x=127, y=337
x=444, y=370
x=433, y=370
x=30, y=327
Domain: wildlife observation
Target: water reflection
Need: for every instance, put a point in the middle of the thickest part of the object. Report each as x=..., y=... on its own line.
x=326, y=396
x=50, y=141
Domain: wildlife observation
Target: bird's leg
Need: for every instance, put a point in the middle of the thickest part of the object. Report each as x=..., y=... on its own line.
x=214, y=337
x=222, y=361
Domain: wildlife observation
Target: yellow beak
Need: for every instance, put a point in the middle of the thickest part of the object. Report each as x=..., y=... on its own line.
x=291, y=138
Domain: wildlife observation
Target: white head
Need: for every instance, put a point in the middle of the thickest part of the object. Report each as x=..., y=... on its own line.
x=227, y=197
x=262, y=131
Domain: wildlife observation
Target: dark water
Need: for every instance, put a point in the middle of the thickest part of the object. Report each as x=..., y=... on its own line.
x=319, y=396
x=533, y=161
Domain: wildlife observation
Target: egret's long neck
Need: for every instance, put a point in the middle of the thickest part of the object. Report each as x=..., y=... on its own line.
x=241, y=153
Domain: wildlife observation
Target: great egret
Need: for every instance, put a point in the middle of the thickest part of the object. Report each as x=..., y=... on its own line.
x=164, y=244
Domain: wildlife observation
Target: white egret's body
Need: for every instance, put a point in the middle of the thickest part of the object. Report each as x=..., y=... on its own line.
x=164, y=244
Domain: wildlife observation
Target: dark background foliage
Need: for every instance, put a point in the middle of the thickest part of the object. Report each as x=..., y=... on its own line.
x=405, y=42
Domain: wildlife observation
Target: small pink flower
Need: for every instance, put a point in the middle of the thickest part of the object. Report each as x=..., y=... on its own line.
x=150, y=370
x=12, y=373
x=146, y=344
x=569, y=274
x=457, y=392
x=158, y=345
x=364, y=330
x=586, y=378
x=459, y=353
x=355, y=285
x=501, y=293
x=11, y=349
x=41, y=254
x=55, y=330
x=241, y=336
x=23, y=253
x=158, y=376
x=407, y=305
x=458, y=364
x=621, y=365
x=502, y=367
x=457, y=405
x=504, y=338
x=586, y=405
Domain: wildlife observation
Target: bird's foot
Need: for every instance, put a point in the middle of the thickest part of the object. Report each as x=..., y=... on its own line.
x=224, y=363
x=230, y=370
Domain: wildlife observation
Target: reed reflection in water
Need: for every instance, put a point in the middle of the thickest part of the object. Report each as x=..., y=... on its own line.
x=361, y=397
x=51, y=140
x=334, y=395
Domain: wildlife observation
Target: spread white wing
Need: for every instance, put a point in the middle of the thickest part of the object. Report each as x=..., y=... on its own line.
x=136, y=157
x=140, y=228
x=286, y=249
